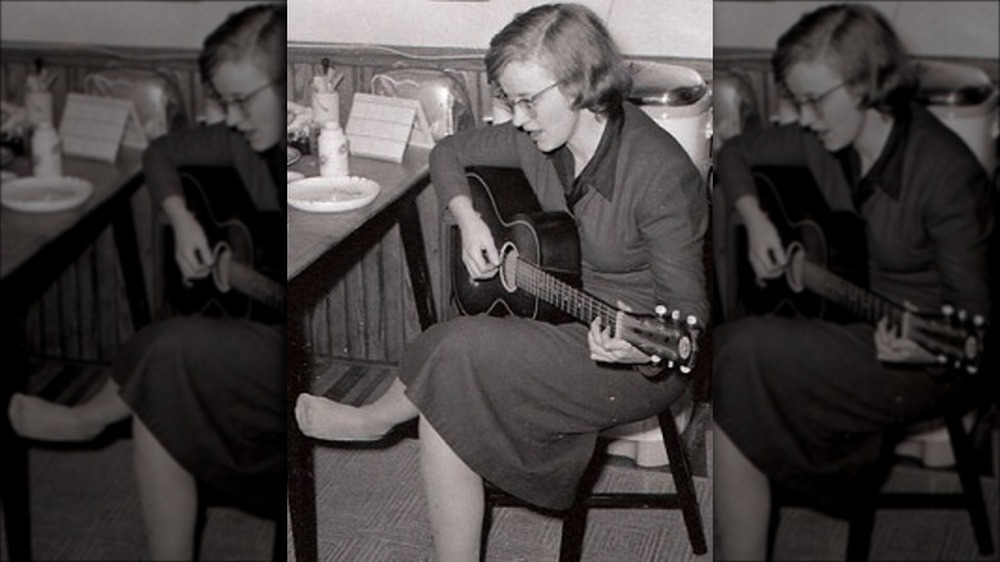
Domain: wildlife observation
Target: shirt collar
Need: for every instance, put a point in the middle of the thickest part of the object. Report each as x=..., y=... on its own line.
x=599, y=173
x=886, y=174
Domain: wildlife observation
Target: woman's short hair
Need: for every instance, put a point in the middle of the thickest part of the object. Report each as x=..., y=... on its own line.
x=256, y=34
x=857, y=41
x=571, y=42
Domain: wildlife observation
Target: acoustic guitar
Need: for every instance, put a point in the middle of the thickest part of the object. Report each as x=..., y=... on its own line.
x=827, y=255
x=247, y=253
x=539, y=275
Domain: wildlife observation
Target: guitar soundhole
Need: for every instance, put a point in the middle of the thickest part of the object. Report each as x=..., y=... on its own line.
x=508, y=270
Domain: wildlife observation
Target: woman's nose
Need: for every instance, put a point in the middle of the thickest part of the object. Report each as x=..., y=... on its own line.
x=233, y=115
x=520, y=116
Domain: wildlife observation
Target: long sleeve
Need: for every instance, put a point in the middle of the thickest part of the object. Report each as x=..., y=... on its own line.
x=787, y=146
x=497, y=145
x=672, y=220
x=214, y=145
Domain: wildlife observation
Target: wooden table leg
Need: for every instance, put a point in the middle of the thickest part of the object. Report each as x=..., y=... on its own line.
x=301, y=470
x=127, y=243
x=14, y=490
x=416, y=263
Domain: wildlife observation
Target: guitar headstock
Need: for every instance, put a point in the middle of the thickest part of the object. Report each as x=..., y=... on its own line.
x=672, y=337
x=955, y=337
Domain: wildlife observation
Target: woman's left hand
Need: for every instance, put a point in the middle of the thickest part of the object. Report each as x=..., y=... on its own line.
x=609, y=349
x=893, y=348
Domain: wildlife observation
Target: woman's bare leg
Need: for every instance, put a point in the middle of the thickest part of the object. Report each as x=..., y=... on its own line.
x=169, y=497
x=323, y=418
x=454, y=497
x=742, y=503
x=35, y=418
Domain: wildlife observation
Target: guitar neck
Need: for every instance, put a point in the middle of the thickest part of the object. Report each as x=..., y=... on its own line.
x=257, y=286
x=864, y=304
x=563, y=296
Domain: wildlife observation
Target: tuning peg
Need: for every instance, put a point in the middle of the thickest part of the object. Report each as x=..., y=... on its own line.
x=978, y=320
x=675, y=315
x=971, y=369
x=685, y=369
x=691, y=320
x=655, y=359
x=962, y=315
x=942, y=359
x=670, y=364
x=660, y=310
x=947, y=310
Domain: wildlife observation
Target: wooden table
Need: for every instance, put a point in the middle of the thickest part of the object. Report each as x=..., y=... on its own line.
x=322, y=247
x=34, y=250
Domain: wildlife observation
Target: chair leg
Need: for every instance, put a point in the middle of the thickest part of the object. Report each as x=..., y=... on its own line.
x=279, y=546
x=972, y=491
x=859, y=534
x=773, y=521
x=574, y=526
x=683, y=482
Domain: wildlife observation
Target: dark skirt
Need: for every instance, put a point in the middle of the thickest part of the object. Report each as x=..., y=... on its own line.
x=212, y=391
x=521, y=402
x=808, y=404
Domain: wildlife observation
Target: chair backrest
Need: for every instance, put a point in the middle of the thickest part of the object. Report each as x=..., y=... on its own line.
x=154, y=93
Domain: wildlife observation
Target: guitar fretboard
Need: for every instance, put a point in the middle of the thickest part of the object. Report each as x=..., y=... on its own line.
x=563, y=296
x=257, y=286
x=865, y=304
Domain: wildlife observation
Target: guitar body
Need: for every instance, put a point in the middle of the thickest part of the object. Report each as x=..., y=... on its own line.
x=216, y=198
x=509, y=207
x=833, y=240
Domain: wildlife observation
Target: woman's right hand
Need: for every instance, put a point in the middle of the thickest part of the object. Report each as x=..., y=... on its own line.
x=191, y=250
x=765, y=250
x=479, y=250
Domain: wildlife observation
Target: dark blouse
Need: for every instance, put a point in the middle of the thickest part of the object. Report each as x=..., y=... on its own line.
x=927, y=223
x=216, y=145
x=641, y=228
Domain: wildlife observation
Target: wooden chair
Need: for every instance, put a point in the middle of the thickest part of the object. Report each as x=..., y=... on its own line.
x=575, y=519
x=861, y=516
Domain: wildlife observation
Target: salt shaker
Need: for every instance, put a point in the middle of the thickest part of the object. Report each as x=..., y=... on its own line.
x=46, y=152
x=333, y=153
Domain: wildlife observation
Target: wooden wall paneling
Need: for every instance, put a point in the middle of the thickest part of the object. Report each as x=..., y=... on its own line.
x=372, y=325
x=105, y=261
x=393, y=307
x=70, y=306
x=89, y=307
x=355, y=312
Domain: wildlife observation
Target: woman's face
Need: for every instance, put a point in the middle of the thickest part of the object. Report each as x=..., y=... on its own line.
x=825, y=106
x=542, y=112
x=250, y=101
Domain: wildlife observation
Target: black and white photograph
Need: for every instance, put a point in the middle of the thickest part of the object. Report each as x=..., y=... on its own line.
x=575, y=281
x=498, y=350
x=144, y=399
x=853, y=395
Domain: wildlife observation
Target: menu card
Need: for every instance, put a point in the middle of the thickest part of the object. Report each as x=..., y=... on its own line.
x=94, y=127
x=379, y=126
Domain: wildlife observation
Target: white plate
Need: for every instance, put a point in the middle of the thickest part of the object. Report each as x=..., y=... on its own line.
x=294, y=176
x=293, y=155
x=44, y=195
x=332, y=195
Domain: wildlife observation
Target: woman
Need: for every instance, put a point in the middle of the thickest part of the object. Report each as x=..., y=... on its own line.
x=803, y=402
x=520, y=402
x=208, y=394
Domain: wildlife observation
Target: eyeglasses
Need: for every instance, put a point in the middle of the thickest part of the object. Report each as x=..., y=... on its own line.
x=526, y=104
x=240, y=102
x=813, y=102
